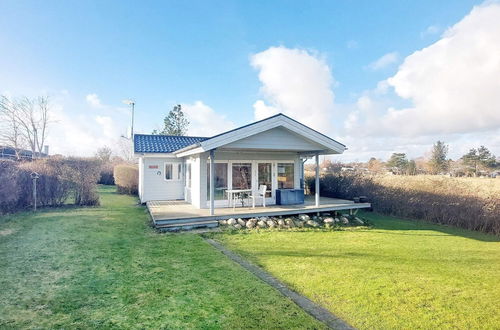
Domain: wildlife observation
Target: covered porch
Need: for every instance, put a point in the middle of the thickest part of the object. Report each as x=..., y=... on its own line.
x=173, y=214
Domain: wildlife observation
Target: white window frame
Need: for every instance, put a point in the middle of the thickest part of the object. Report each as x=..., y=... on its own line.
x=171, y=171
x=274, y=176
x=175, y=174
x=277, y=162
x=179, y=171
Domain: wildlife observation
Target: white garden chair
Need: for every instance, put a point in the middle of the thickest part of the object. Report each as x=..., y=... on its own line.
x=260, y=194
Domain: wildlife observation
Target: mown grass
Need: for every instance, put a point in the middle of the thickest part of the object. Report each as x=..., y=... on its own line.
x=468, y=203
x=104, y=267
x=398, y=274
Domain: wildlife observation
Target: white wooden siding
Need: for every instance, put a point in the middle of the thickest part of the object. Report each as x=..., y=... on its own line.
x=277, y=138
x=154, y=186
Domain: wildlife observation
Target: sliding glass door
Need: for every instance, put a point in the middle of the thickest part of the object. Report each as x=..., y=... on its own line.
x=265, y=177
x=221, y=183
x=242, y=175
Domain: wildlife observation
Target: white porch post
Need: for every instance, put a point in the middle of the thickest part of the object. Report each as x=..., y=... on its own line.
x=316, y=183
x=212, y=181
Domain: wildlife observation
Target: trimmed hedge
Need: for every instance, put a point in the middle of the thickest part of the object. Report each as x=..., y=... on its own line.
x=106, y=174
x=126, y=178
x=438, y=199
x=60, y=179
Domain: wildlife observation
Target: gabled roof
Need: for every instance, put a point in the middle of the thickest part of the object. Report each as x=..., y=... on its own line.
x=280, y=120
x=188, y=145
x=145, y=143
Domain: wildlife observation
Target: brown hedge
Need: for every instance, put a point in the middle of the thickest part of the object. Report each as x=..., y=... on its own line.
x=60, y=179
x=463, y=202
x=126, y=178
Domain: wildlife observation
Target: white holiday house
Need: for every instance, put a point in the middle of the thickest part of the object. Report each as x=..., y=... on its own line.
x=208, y=172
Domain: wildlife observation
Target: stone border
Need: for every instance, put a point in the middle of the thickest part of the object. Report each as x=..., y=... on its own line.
x=318, y=312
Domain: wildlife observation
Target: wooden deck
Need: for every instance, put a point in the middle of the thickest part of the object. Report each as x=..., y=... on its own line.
x=173, y=214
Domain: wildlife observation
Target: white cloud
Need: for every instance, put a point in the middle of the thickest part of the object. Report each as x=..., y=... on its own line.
x=430, y=30
x=295, y=82
x=78, y=130
x=204, y=121
x=384, y=61
x=94, y=101
x=454, y=84
x=448, y=91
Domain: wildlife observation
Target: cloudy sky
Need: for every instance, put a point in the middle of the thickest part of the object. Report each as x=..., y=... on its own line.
x=379, y=76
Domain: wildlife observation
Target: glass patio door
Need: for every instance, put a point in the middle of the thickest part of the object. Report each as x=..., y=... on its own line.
x=241, y=176
x=220, y=181
x=265, y=176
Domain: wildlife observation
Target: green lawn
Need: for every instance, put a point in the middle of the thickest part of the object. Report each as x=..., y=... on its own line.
x=104, y=267
x=398, y=274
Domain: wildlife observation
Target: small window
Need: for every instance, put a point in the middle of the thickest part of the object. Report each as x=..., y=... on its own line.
x=168, y=171
x=179, y=171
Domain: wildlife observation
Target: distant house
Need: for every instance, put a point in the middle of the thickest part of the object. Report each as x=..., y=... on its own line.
x=23, y=154
x=268, y=152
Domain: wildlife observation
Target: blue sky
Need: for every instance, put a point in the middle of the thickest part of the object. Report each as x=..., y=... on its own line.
x=163, y=53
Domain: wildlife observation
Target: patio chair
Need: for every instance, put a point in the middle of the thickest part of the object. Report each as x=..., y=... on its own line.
x=260, y=194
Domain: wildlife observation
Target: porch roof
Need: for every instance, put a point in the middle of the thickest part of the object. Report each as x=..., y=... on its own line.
x=322, y=143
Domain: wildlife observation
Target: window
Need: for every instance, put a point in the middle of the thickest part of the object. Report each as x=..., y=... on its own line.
x=179, y=171
x=188, y=175
x=169, y=168
x=285, y=176
x=220, y=181
x=242, y=176
x=264, y=174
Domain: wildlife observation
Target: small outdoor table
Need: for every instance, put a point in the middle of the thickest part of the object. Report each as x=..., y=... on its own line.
x=239, y=193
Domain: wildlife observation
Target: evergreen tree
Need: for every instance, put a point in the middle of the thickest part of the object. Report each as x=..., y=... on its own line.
x=477, y=159
x=438, y=161
x=486, y=159
x=411, y=168
x=397, y=163
x=175, y=123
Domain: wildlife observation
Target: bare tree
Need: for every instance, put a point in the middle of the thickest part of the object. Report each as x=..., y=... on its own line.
x=103, y=154
x=27, y=122
x=10, y=131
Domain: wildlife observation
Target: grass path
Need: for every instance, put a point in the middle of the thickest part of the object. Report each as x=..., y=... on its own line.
x=399, y=274
x=104, y=267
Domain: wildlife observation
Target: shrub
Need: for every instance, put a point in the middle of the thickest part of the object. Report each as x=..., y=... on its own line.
x=106, y=174
x=59, y=179
x=84, y=175
x=126, y=178
x=53, y=185
x=453, y=201
x=9, y=189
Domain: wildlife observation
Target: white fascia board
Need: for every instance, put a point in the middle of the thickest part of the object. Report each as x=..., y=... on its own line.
x=154, y=155
x=189, y=152
x=265, y=125
x=313, y=135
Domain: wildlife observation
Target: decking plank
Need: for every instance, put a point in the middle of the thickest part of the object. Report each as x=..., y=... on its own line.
x=164, y=212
